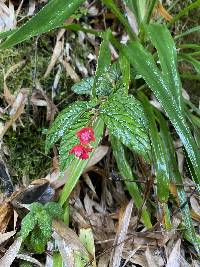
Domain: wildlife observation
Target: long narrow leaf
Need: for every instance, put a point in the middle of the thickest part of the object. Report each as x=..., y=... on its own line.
x=144, y=63
x=161, y=166
x=176, y=178
x=53, y=15
x=162, y=40
x=127, y=174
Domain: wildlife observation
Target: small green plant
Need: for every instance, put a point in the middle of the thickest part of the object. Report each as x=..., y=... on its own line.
x=36, y=226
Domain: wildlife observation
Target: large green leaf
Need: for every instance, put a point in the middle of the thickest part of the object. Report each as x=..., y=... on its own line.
x=144, y=63
x=161, y=166
x=53, y=15
x=125, y=119
x=177, y=179
x=129, y=178
x=162, y=40
x=65, y=120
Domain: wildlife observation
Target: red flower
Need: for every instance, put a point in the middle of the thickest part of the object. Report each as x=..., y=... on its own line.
x=86, y=135
x=80, y=151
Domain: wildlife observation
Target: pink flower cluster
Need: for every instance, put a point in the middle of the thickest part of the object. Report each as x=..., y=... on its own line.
x=85, y=135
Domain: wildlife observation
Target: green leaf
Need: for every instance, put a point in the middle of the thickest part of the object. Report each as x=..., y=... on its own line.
x=38, y=241
x=27, y=225
x=65, y=120
x=78, y=165
x=162, y=40
x=189, y=31
x=125, y=119
x=185, y=11
x=138, y=7
x=103, y=64
x=129, y=178
x=36, y=207
x=161, y=166
x=44, y=222
x=84, y=86
x=125, y=69
x=69, y=140
x=177, y=179
x=116, y=11
x=191, y=60
x=144, y=63
x=54, y=210
x=112, y=75
x=53, y=15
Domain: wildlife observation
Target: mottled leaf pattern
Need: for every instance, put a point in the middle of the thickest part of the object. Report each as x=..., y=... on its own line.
x=27, y=225
x=84, y=86
x=125, y=119
x=65, y=120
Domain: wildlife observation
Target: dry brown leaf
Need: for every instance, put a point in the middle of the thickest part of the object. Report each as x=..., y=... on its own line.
x=16, y=110
x=7, y=94
x=150, y=259
x=5, y=216
x=39, y=98
x=67, y=253
x=174, y=257
x=116, y=255
x=99, y=153
x=195, y=208
x=70, y=71
x=31, y=8
x=6, y=236
x=68, y=242
x=11, y=253
x=7, y=16
x=68, y=236
x=132, y=19
x=89, y=183
x=56, y=52
x=103, y=261
x=163, y=12
x=29, y=259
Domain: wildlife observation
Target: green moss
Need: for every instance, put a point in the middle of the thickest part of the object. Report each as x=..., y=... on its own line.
x=26, y=153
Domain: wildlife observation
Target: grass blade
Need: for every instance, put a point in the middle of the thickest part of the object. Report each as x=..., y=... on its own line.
x=176, y=178
x=161, y=166
x=127, y=174
x=144, y=63
x=53, y=15
x=162, y=40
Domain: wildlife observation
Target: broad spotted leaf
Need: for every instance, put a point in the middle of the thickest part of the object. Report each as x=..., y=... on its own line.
x=27, y=225
x=84, y=87
x=65, y=120
x=125, y=119
x=112, y=76
x=69, y=140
